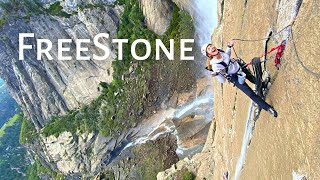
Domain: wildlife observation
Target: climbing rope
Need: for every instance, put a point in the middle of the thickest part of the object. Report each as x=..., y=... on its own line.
x=317, y=75
x=253, y=40
x=280, y=49
x=235, y=52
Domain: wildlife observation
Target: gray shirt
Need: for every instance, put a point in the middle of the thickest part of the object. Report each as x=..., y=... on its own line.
x=233, y=66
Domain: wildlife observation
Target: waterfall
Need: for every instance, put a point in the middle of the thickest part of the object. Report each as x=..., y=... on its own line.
x=179, y=113
x=205, y=17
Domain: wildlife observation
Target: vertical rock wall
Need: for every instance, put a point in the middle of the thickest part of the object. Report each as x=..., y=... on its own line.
x=45, y=88
x=280, y=147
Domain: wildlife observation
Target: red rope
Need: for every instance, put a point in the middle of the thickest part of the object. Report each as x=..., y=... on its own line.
x=280, y=49
x=279, y=54
x=273, y=49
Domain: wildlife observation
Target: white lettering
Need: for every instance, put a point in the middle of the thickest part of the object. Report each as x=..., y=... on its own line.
x=120, y=49
x=62, y=49
x=44, y=47
x=133, y=49
x=22, y=46
x=159, y=45
x=184, y=49
x=101, y=46
x=80, y=49
x=45, y=51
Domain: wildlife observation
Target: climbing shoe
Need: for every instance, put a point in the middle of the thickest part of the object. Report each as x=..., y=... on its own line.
x=273, y=112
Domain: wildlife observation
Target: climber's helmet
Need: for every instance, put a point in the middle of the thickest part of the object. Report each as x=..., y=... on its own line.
x=204, y=49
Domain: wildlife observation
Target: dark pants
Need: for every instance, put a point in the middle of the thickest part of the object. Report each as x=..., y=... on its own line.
x=249, y=75
x=249, y=92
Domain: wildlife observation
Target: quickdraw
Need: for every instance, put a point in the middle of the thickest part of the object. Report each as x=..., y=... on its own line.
x=279, y=54
x=280, y=50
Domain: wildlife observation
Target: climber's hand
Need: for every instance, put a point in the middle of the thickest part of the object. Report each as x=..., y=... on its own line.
x=230, y=44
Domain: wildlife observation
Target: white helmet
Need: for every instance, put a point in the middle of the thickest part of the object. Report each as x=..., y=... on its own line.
x=204, y=49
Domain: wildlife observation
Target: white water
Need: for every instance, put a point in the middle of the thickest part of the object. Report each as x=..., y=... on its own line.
x=205, y=17
x=183, y=110
x=245, y=143
x=157, y=122
x=204, y=14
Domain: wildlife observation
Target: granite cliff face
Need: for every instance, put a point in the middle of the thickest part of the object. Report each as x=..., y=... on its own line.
x=46, y=88
x=82, y=154
x=158, y=14
x=282, y=148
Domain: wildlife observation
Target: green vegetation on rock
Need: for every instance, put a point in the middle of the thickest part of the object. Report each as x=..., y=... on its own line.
x=13, y=157
x=56, y=10
x=84, y=120
x=37, y=169
x=28, y=133
x=144, y=161
x=154, y=157
x=187, y=175
x=91, y=6
x=5, y=9
x=122, y=102
x=10, y=8
x=31, y=7
x=10, y=123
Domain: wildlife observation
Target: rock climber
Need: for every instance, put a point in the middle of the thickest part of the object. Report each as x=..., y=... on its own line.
x=223, y=67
